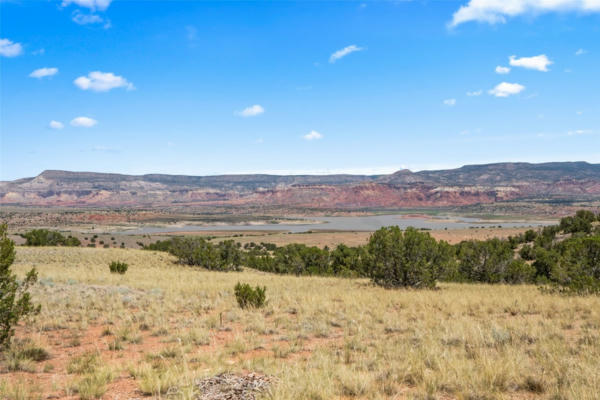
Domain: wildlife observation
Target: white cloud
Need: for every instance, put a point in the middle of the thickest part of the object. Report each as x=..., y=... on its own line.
x=580, y=132
x=581, y=52
x=102, y=82
x=579, y=112
x=251, y=111
x=344, y=52
x=475, y=93
x=539, y=63
x=450, y=102
x=497, y=11
x=83, y=122
x=91, y=4
x=43, y=72
x=10, y=49
x=56, y=125
x=506, y=89
x=313, y=135
x=502, y=70
x=86, y=19
x=104, y=149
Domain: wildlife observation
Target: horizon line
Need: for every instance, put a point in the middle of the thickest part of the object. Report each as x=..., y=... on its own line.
x=374, y=171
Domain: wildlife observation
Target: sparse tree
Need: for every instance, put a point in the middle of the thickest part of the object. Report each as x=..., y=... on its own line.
x=398, y=259
x=15, y=300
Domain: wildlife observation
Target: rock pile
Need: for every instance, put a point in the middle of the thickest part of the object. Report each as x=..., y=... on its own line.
x=231, y=386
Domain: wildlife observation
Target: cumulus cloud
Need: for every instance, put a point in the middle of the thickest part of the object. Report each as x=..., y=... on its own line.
x=56, y=124
x=475, y=93
x=86, y=19
x=83, y=122
x=102, y=82
x=581, y=52
x=450, y=102
x=539, y=63
x=251, y=111
x=497, y=11
x=313, y=135
x=502, y=70
x=506, y=89
x=344, y=52
x=43, y=72
x=91, y=4
x=10, y=49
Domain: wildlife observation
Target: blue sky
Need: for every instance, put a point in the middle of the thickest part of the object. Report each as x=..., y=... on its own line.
x=192, y=87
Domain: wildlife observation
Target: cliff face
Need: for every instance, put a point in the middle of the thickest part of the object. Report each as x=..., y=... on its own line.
x=462, y=186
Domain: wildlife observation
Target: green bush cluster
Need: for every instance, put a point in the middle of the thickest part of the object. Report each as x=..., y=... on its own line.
x=224, y=256
x=118, y=267
x=299, y=259
x=247, y=297
x=45, y=237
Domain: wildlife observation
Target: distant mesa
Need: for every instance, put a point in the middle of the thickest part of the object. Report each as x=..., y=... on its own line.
x=470, y=184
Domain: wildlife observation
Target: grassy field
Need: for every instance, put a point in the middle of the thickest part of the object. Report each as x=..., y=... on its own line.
x=161, y=326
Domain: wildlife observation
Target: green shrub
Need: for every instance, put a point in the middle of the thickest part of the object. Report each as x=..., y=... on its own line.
x=518, y=271
x=225, y=256
x=545, y=262
x=484, y=261
x=581, y=222
x=118, y=267
x=159, y=245
x=578, y=271
x=45, y=237
x=527, y=253
x=248, y=297
x=15, y=300
x=404, y=259
x=348, y=261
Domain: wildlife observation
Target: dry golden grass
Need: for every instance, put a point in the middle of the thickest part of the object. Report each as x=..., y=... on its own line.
x=321, y=338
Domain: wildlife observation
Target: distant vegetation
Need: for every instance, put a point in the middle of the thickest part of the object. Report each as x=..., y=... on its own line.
x=224, y=256
x=564, y=257
x=45, y=237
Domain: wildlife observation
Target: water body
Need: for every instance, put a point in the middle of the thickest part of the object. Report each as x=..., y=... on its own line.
x=362, y=223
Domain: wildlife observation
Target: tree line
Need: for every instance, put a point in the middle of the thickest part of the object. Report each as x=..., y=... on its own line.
x=565, y=257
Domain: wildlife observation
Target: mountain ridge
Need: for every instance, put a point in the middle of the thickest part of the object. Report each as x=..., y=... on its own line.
x=469, y=184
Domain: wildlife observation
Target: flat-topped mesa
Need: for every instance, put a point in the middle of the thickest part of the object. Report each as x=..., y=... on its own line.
x=470, y=184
